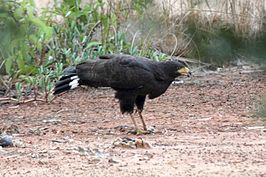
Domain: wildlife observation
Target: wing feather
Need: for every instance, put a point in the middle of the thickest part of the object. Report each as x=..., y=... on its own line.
x=119, y=71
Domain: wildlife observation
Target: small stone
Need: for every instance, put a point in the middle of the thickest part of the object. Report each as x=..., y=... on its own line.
x=52, y=121
x=113, y=161
x=151, y=130
x=59, y=141
x=6, y=140
x=140, y=143
x=19, y=143
x=131, y=143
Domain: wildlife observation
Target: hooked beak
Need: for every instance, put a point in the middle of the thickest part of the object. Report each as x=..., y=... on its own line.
x=184, y=71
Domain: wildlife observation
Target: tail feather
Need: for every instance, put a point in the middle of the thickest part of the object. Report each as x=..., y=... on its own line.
x=66, y=82
x=66, y=76
x=61, y=89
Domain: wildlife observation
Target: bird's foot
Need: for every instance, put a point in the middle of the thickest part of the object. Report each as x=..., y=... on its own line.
x=141, y=132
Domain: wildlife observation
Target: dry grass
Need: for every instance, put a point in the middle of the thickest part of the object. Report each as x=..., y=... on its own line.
x=163, y=24
x=247, y=15
x=166, y=21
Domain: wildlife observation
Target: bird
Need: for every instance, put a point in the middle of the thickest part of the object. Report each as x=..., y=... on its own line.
x=133, y=79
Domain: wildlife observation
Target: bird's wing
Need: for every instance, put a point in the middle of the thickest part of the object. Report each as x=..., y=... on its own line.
x=159, y=73
x=121, y=72
x=139, y=62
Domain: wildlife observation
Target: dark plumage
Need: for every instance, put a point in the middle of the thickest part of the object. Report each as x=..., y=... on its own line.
x=133, y=78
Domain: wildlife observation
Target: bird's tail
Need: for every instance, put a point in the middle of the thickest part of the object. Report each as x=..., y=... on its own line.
x=68, y=81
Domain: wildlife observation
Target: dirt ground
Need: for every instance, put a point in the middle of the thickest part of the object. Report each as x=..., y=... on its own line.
x=205, y=127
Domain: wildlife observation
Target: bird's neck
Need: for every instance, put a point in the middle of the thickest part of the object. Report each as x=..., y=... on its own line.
x=169, y=69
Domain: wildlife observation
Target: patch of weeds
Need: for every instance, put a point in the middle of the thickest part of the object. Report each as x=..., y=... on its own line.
x=40, y=86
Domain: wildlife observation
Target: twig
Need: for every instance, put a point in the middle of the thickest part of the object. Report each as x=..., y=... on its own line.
x=133, y=41
x=7, y=99
x=6, y=85
x=190, y=60
x=94, y=28
x=31, y=100
x=57, y=96
x=54, y=98
x=21, y=102
x=174, y=50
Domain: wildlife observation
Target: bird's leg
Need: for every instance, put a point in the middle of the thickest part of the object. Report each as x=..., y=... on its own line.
x=134, y=122
x=142, y=120
x=137, y=130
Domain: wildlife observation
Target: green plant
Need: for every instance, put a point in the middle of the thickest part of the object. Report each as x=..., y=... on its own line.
x=23, y=36
x=39, y=85
x=38, y=44
x=87, y=32
x=34, y=49
x=19, y=90
x=45, y=82
x=73, y=41
x=46, y=78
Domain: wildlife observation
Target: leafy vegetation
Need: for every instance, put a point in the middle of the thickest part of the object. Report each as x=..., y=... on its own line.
x=34, y=48
x=221, y=44
x=23, y=37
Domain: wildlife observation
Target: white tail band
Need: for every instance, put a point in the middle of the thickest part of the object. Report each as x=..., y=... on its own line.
x=75, y=83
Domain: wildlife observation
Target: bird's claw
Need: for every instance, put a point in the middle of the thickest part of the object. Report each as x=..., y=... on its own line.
x=140, y=132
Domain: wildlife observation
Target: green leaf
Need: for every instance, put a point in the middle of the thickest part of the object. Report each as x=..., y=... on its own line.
x=93, y=44
x=44, y=28
x=68, y=13
x=8, y=65
x=20, y=61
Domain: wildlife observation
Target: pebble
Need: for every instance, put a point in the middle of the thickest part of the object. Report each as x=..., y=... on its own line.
x=6, y=140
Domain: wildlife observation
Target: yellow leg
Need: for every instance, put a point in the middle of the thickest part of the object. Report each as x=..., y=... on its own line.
x=134, y=122
x=142, y=120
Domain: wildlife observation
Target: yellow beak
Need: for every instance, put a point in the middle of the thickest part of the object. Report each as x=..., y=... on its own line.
x=184, y=71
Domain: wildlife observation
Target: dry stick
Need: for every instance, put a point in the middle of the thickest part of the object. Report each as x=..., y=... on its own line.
x=5, y=84
x=31, y=100
x=93, y=28
x=186, y=46
x=21, y=102
x=133, y=40
x=175, y=44
x=57, y=96
x=226, y=13
x=8, y=99
x=1, y=65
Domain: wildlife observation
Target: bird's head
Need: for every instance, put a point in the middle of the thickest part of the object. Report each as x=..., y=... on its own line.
x=176, y=68
x=181, y=69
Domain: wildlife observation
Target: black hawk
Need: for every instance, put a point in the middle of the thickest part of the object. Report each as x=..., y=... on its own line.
x=132, y=78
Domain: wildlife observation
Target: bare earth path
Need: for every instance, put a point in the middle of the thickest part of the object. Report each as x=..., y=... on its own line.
x=205, y=127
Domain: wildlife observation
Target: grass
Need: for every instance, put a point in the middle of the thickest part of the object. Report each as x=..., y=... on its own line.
x=217, y=31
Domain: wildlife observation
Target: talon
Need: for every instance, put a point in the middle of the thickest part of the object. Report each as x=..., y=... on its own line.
x=136, y=132
x=140, y=132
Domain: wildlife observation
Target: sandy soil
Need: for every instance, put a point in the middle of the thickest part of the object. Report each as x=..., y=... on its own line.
x=204, y=127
